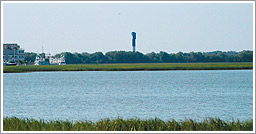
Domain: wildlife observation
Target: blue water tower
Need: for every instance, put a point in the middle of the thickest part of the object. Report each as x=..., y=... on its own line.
x=133, y=41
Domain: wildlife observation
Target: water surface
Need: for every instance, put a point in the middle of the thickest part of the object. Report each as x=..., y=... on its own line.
x=95, y=95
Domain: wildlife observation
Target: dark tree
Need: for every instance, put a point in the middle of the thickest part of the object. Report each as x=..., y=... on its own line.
x=161, y=57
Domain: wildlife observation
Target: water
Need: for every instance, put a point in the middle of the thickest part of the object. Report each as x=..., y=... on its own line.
x=99, y=95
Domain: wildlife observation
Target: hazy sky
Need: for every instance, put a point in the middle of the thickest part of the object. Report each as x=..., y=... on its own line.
x=107, y=27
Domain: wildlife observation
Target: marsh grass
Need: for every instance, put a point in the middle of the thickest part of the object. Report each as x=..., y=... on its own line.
x=209, y=124
x=130, y=67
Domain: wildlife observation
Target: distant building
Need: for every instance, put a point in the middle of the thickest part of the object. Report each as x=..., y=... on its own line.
x=48, y=60
x=58, y=61
x=12, y=52
x=42, y=61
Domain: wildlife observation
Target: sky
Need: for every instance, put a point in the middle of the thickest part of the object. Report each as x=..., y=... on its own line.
x=103, y=27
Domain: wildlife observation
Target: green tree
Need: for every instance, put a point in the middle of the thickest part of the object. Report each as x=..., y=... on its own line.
x=246, y=56
x=30, y=57
x=98, y=57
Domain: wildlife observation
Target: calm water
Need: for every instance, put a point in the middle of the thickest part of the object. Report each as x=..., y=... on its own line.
x=145, y=94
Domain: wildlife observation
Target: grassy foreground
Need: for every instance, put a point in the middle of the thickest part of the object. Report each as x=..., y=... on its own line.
x=131, y=67
x=210, y=124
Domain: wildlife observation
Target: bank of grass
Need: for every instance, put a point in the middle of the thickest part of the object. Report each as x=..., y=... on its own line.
x=209, y=124
x=130, y=67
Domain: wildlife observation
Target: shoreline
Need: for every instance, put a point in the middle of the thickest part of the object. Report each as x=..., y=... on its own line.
x=131, y=67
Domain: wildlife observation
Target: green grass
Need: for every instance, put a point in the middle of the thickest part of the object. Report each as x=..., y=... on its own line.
x=131, y=67
x=209, y=124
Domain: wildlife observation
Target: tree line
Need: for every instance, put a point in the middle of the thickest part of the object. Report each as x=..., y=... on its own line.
x=161, y=57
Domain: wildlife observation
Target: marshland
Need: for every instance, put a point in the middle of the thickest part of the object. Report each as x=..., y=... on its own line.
x=208, y=124
x=132, y=67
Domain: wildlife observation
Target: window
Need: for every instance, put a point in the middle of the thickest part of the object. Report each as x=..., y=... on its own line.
x=21, y=51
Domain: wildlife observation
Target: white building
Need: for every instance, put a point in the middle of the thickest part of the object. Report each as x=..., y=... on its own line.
x=58, y=61
x=48, y=60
